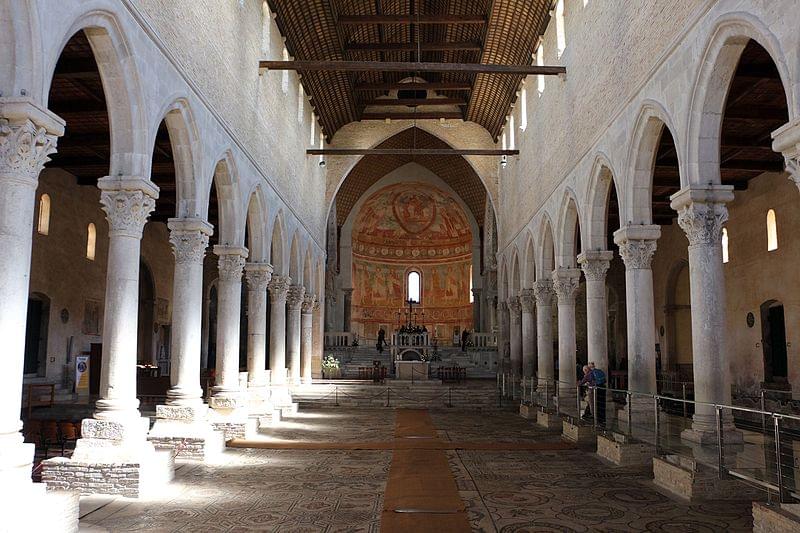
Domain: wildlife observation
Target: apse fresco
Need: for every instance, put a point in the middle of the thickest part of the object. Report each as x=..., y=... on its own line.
x=411, y=226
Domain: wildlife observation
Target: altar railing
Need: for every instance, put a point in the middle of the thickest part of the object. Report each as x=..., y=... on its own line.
x=338, y=339
x=484, y=340
x=411, y=339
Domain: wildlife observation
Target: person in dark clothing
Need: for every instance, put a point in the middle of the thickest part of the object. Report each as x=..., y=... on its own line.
x=464, y=339
x=586, y=382
x=599, y=378
x=381, y=339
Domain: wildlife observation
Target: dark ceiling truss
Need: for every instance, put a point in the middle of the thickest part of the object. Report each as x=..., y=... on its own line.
x=350, y=53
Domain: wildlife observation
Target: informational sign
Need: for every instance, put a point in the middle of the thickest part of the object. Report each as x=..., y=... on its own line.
x=82, y=375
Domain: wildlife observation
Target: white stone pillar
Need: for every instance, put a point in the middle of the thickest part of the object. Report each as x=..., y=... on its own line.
x=189, y=238
x=476, y=309
x=702, y=214
x=528, y=303
x=348, y=310
x=515, y=334
x=565, y=284
x=28, y=135
x=503, y=342
x=318, y=337
x=127, y=203
x=258, y=276
x=306, y=336
x=543, y=291
x=278, y=289
x=227, y=393
x=595, y=265
x=637, y=244
x=294, y=304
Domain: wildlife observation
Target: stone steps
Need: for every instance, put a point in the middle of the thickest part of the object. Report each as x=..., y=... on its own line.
x=425, y=394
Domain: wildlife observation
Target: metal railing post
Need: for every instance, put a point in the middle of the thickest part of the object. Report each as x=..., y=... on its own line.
x=720, y=442
x=523, y=389
x=685, y=405
x=450, y=397
x=629, y=397
x=594, y=406
x=336, y=395
x=778, y=462
x=389, y=390
x=504, y=385
x=578, y=398
x=655, y=412
x=763, y=415
x=546, y=395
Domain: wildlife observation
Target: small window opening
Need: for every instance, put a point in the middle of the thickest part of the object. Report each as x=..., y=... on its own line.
x=725, y=253
x=91, y=241
x=772, y=231
x=43, y=226
x=414, y=287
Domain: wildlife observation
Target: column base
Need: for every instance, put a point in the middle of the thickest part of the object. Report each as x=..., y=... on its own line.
x=619, y=450
x=270, y=419
x=528, y=411
x=258, y=400
x=548, y=420
x=773, y=517
x=186, y=433
x=280, y=396
x=30, y=507
x=577, y=433
x=702, y=433
x=112, y=457
x=688, y=480
x=229, y=416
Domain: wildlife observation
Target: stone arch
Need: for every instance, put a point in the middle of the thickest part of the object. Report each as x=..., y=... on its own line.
x=295, y=268
x=529, y=270
x=256, y=226
x=731, y=34
x=603, y=179
x=546, y=259
x=569, y=221
x=308, y=274
x=183, y=136
x=502, y=284
x=643, y=148
x=277, y=246
x=21, y=51
x=225, y=181
x=122, y=88
x=514, y=282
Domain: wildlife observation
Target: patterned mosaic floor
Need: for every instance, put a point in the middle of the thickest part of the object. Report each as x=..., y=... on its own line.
x=331, y=491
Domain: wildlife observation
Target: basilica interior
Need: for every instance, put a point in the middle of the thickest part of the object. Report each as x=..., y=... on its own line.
x=399, y=265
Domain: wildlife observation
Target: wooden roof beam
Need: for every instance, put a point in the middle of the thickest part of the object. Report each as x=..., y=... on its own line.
x=413, y=86
x=406, y=151
x=360, y=20
x=383, y=102
x=403, y=66
x=423, y=115
x=411, y=47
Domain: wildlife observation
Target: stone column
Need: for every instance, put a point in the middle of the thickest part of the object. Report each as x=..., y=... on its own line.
x=127, y=203
x=258, y=276
x=205, y=334
x=294, y=304
x=528, y=303
x=515, y=334
x=306, y=336
x=476, y=310
x=565, y=284
x=702, y=214
x=637, y=244
x=189, y=238
x=348, y=309
x=595, y=266
x=503, y=350
x=543, y=292
x=278, y=289
x=318, y=337
x=491, y=313
x=227, y=393
x=28, y=136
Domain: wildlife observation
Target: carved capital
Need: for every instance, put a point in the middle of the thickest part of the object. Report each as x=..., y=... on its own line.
x=127, y=203
x=294, y=297
x=316, y=306
x=258, y=276
x=703, y=223
x=637, y=255
x=595, y=265
x=527, y=299
x=565, y=284
x=309, y=302
x=24, y=149
x=189, y=239
x=514, y=309
x=543, y=292
x=502, y=306
x=278, y=288
x=786, y=140
x=231, y=262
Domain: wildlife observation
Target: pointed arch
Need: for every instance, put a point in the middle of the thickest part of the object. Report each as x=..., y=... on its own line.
x=256, y=226
x=514, y=282
x=225, y=182
x=502, y=282
x=569, y=225
x=546, y=256
x=277, y=256
x=529, y=269
x=602, y=181
x=116, y=62
x=650, y=125
x=731, y=35
x=295, y=271
x=308, y=274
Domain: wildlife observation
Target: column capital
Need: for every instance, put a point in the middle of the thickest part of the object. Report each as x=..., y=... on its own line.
x=258, y=276
x=317, y=305
x=786, y=140
x=543, y=292
x=28, y=136
x=527, y=300
x=294, y=297
x=637, y=244
x=565, y=284
x=279, y=287
x=309, y=302
x=127, y=202
x=348, y=291
x=502, y=305
x=231, y=262
x=595, y=264
x=514, y=309
x=189, y=239
x=702, y=212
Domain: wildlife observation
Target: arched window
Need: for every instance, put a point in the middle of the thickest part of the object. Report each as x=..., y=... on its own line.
x=414, y=292
x=725, y=256
x=561, y=36
x=285, y=74
x=512, y=137
x=313, y=120
x=266, y=23
x=91, y=240
x=471, y=295
x=540, y=63
x=43, y=227
x=772, y=231
x=523, y=109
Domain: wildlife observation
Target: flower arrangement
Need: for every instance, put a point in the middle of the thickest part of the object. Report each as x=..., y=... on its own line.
x=330, y=363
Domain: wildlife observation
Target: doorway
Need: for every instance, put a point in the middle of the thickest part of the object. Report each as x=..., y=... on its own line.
x=36, y=335
x=773, y=333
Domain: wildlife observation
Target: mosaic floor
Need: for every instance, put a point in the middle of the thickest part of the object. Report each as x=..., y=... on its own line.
x=331, y=491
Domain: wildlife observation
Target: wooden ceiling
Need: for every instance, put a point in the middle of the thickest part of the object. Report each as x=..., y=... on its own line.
x=453, y=170
x=502, y=32
x=756, y=106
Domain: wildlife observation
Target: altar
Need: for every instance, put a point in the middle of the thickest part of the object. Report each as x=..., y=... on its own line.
x=411, y=370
